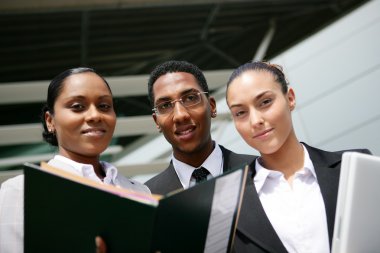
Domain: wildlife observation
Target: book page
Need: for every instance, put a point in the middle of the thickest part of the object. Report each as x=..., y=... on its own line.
x=226, y=197
x=116, y=190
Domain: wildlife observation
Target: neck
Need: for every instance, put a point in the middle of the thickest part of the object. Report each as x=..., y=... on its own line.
x=195, y=158
x=93, y=160
x=288, y=159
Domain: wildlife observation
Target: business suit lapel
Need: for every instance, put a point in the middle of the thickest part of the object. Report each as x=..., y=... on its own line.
x=227, y=159
x=254, y=223
x=327, y=169
x=232, y=160
x=170, y=180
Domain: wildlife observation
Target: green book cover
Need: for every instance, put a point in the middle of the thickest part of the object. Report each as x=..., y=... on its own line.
x=64, y=213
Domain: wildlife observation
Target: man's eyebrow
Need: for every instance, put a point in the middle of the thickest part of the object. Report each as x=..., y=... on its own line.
x=189, y=91
x=184, y=92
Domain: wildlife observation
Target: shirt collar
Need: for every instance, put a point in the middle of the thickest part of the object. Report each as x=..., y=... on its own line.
x=262, y=173
x=111, y=173
x=87, y=170
x=308, y=164
x=213, y=163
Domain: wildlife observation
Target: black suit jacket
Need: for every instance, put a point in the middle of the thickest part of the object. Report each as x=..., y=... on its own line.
x=254, y=231
x=168, y=181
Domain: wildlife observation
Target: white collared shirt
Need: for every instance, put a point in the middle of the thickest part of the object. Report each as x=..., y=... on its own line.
x=213, y=163
x=296, y=212
x=113, y=177
x=87, y=170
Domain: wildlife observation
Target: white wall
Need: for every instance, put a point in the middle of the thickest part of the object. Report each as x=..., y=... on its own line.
x=336, y=76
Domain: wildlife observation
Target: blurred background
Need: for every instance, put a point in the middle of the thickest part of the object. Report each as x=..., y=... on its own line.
x=329, y=50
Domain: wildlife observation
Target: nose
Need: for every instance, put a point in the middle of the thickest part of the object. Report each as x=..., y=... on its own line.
x=256, y=119
x=93, y=114
x=180, y=113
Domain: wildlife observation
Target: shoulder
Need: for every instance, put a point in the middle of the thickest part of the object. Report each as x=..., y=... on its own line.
x=162, y=177
x=319, y=155
x=165, y=182
x=12, y=193
x=14, y=183
x=338, y=152
x=239, y=157
x=131, y=184
x=122, y=180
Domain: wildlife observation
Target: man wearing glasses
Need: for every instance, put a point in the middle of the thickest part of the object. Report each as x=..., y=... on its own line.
x=182, y=111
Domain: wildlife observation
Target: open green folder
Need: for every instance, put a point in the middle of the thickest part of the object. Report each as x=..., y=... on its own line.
x=64, y=213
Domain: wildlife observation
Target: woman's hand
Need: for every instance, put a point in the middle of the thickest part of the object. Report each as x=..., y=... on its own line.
x=100, y=245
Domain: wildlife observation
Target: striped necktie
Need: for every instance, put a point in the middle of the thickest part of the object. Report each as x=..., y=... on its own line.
x=200, y=174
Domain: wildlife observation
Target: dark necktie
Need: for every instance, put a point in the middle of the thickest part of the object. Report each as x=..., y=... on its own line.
x=200, y=174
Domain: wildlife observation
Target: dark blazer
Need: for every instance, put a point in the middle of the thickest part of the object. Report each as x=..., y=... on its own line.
x=168, y=181
x=254, y=231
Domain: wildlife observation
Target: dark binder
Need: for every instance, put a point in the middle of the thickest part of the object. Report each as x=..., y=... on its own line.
x=64, y=213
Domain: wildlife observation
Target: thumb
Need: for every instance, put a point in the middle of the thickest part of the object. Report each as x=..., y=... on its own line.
x=100, y=245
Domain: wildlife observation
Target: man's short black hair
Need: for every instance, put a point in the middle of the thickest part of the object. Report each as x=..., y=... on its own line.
x=173, y=67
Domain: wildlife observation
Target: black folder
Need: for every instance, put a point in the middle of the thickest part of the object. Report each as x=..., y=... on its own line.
x=64, y=213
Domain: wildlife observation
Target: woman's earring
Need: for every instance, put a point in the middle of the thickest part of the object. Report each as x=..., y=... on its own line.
x=213, y=114
x=293, y=106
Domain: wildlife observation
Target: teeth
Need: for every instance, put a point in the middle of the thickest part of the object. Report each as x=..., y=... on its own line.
x=96, y=132
x=185, y=132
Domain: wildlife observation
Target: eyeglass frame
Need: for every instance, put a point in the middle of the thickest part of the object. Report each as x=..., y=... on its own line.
x=172, y=102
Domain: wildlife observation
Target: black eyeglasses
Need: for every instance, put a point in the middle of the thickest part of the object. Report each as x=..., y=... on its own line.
x=187, y=100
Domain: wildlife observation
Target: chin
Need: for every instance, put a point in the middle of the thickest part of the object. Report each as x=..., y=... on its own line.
x=189, y=148
x=269, y=151
x=94, y=151
x=264, y=150
x=91, y=153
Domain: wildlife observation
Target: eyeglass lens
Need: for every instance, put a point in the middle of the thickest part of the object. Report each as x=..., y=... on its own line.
x=186, y=100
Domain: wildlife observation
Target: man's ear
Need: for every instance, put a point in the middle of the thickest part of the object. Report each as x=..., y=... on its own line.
x=155, y=121
x=212, y=105
x=291, y=98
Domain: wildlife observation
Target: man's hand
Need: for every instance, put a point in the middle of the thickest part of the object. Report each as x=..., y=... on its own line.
x=100, y=245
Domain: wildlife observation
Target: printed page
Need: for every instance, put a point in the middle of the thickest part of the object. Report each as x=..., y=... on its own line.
x=226, y=199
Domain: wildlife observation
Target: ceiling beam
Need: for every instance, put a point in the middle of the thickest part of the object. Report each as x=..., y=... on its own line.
x=60, y=5
x=211, y=17
x=125, y=126
x=122, y=86
x=32, y=133
x=18, y=160
x=267, y=39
